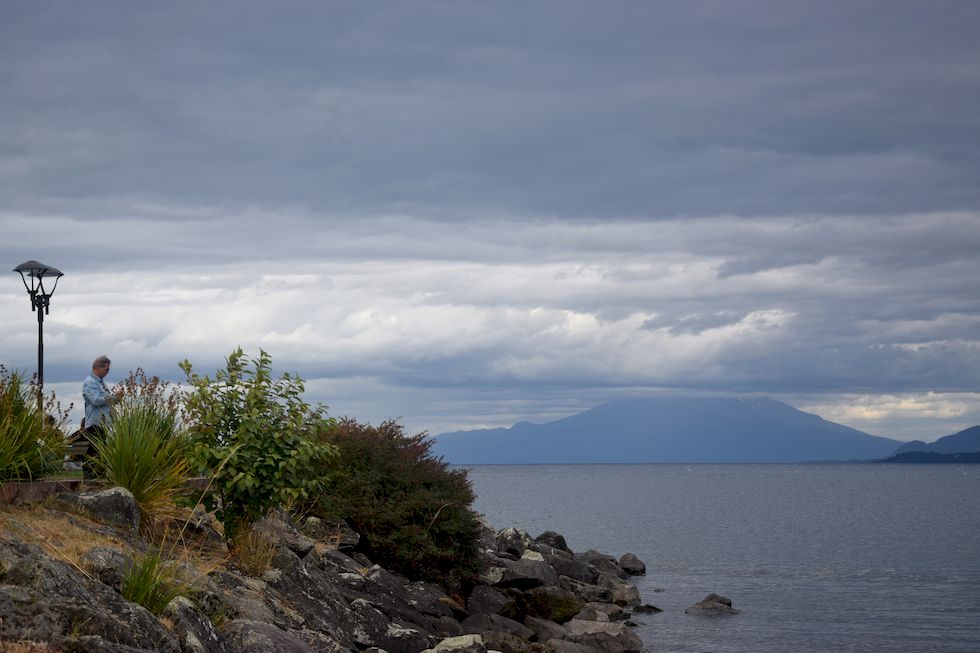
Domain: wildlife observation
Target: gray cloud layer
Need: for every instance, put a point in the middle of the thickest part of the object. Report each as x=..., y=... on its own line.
x=465, y=213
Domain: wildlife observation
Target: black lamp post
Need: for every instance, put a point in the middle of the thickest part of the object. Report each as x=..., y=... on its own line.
x=40, y=302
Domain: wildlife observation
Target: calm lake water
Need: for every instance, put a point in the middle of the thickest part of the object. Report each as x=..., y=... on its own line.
x=817, y=557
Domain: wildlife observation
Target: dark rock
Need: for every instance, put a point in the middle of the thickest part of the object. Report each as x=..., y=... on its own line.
x=115, y=506
x=611, y=637
x=554, y=540
x=602, y=562
x=632, y=565
x=545, y=629
x=580, y=571
x=552, y=602
x=429, y=599
x=496, y=640
x=712, y=605
x=106, y=564
x=486, y=600
x=480, y=623
x=646, y=608
x=245, y=636
x=194, y=630
x=527, y=573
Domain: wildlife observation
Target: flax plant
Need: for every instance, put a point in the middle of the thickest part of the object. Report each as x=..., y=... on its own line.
x=145, y=450
x=32, y=443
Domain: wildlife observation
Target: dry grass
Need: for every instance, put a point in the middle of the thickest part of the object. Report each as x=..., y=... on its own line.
x=253, y=550
x=26, y=647
x=63, y=536
x=56, y=532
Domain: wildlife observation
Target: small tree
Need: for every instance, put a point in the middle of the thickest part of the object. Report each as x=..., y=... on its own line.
x=255, y=436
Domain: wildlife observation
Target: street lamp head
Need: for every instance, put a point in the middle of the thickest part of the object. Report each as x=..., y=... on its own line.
x=33, y=274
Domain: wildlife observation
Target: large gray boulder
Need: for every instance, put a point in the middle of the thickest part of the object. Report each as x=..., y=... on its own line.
x=460, y=644
x=512, y=541
x=577, y=569
x=553, y=540
x=620, y=592
x=609, y=637
x=114, y=506
x=632, y=565
x=526, y=573
x=481, y=623
x=604, y=563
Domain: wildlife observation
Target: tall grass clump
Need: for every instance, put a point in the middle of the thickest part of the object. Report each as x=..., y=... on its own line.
x=152, y=582
x=145, y=450
x=32, y=442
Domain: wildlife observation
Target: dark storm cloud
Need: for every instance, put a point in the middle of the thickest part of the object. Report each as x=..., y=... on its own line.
x=569, y=109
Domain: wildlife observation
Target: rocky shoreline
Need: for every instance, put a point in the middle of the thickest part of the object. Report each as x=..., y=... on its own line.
x=535, y=594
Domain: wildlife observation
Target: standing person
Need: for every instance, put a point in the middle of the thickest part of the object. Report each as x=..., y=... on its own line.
x=98, y=401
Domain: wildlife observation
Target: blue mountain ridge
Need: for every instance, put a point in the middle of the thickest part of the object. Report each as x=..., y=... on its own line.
x=965, y=441
x=669, y=430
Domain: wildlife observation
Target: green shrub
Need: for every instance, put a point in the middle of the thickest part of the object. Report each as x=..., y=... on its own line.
x=144, y=450
x=32, y=442
x=256, y=438
x=413, y=513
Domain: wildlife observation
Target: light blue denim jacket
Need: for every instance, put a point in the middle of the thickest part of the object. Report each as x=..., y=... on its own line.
x=96, y=397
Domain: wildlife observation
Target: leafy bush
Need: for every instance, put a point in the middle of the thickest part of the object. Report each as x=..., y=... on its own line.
x=144, y=450
x=32, y=442
x=255, y=437
x=413, y=513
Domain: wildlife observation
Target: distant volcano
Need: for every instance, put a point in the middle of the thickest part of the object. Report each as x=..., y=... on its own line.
x=669, y=430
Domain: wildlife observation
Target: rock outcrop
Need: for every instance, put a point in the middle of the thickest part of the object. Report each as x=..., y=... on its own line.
x=712, y=605
x=535, y=595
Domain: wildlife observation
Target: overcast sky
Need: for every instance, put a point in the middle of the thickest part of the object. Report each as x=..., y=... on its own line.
x=466, y=214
